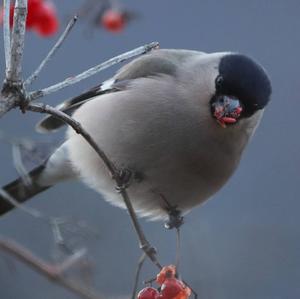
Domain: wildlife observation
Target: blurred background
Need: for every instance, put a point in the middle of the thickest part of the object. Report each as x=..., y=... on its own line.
x=244, y=243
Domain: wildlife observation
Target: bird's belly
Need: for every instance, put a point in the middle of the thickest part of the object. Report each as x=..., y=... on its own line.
x=158, y=188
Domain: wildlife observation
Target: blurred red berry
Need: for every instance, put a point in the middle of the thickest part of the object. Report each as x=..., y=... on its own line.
x=46, y=20
x=34, y=8
x=148, y=293
x=41, y=17
x=113, y=21
x=171, y=288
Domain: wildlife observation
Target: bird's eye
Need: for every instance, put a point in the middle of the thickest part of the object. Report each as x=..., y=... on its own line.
x=219, y=81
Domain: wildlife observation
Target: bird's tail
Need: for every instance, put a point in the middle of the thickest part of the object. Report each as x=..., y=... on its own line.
x=20, y=190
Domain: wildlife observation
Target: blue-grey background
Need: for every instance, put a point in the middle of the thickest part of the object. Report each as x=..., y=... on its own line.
x=244, y=243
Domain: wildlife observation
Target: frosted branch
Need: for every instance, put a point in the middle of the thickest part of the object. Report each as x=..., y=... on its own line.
x=52, y=51
x=6, y=33
x=92, y=71
x=14, y=72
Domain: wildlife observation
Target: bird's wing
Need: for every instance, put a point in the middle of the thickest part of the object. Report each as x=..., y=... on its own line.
x=152, y=64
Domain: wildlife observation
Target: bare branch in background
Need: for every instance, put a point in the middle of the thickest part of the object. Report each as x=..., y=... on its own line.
x=52, y=272
x=19, y=165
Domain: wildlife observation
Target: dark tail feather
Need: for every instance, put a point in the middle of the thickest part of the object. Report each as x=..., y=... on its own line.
x=21, y=192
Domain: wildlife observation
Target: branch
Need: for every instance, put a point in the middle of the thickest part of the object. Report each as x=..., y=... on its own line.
x=52, y=51
x=52, y=272
x=8, y=101
x=13, y=56
x=15, y=95
x=14, y=71
x=6, y=33
x=92, y=71
x=115, y=173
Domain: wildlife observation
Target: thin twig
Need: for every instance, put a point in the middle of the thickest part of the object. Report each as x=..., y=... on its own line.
x=137, y=274
x=70, y=261
x=178, y=244
x=15, y=95
x=114, y=172
x=42, y=108
x=6, y=33
x=92, y=71
x=144, y=243
x=17, y=42
x=52, y=51
x=52, y=272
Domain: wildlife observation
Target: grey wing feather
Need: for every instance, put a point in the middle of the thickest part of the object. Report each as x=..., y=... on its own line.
x=152, y=64
x=163, y=61
x=51, y=124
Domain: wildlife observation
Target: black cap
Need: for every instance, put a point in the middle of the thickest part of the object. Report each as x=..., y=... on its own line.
x=241, y=77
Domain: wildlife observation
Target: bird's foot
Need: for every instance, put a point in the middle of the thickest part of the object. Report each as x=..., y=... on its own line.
x=175, y=218
x=125, y=178
x=151, y=252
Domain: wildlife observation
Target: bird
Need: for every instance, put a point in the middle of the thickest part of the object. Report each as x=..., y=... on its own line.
x=178, y=120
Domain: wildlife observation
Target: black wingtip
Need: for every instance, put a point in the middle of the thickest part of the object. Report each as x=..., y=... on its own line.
x=21, y=192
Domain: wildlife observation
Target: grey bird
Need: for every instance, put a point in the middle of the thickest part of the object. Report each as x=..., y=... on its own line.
x=179, y=120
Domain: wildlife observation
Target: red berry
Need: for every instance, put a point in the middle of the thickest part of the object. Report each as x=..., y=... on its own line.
x=148, y=293
x=171, y=288
x=113, y=20
x=166, y=272
x=46, y=20
x=34, y=8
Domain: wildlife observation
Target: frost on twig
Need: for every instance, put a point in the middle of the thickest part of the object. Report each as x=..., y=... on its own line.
x=6, y=33
x=14, y=72
x=12, y=90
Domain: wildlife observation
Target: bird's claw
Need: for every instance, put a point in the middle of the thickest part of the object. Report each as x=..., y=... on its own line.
x=125, y=177
x=175, y=219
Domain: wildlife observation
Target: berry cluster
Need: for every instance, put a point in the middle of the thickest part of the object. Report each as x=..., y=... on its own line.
x=170, y=286
x=41, y=17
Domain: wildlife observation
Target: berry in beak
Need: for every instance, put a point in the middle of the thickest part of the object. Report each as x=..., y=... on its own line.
x=226, y=110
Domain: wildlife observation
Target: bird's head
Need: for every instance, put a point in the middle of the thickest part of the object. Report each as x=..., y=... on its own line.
x=241, y=88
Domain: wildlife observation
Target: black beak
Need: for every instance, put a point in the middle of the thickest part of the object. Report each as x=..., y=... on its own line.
x=227, y=110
